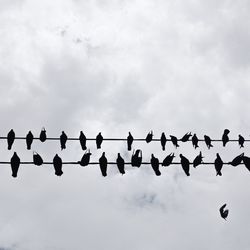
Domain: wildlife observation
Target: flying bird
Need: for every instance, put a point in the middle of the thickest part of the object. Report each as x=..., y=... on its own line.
x=57, y=162
x=136, y=158
x=15, y=163
x=198, y=160
x=103, y=162
x=218, y=163
x=168, y=160
x=155, y=165
x=43, y=135
x=10, y=138
x=225, y=138
x=163, y=141
x=185, y=164
x=246, y=161
x=195, y=141
x=241, y=141
x=82, y=139
x=223, y=212
x=186, y=137
x=37, y=159
x=237, y=160
x=130, y=140
x=208, y=141
x=85, y=159
x=120, y=164
x=149, y=137
x=99, y=140
x=29, y=140
x=174, y=140
x=63, y=140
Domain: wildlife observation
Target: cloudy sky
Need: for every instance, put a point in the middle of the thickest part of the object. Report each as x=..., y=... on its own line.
x=114, y=66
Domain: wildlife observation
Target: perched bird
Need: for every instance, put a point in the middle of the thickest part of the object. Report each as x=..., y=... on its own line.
x=57, y=162
x=99, y=140
x=237, y=160
x=168, y=160
x=174, y=140
x=155, y=165
x=43, y=135
x=246, y=161
x=10, y=138
x=225, y=138
x=82, y=139
x=185, y=164
x=37, y=159
x=85, y=159
x=63, y=140
x=15, y=163
x=223, y=212
x=136, y=158
x=29, y=140
x=241, y=141
x=130, y=140
x=208, y=141
x=149, y=137
x=198, y=160
x=186, y=137
x=195, y=141
x=218, y=163
x=103, y=164
x=120, y=164
x=163, y=141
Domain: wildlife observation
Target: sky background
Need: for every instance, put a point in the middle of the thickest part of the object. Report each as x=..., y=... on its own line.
x=112, y=67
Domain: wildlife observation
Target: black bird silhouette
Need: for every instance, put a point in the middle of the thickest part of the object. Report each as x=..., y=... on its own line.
x=136, y=158
x=218, y=163
x=63, y=140
x=10, y=138
x=149, y=137
x=43, y=135
x=130, y=140
x=198, y=160
x=103, y=164
x=57, y=162
x=85, y=158
x=15, y=163
x=246, y=161
x=29, y=140
x=174, y=140
x=225, y=138
x=223, y=212
x=155, y=165
x=163, y=141
x=241, y=141
x=186, y=137
x=208, y=141
x=82, y=139
x=168, y=160
x=195, y=141
x=185, y=164
x=37, y=159
x=99, y=140
x=120, y=164
x=237, y=160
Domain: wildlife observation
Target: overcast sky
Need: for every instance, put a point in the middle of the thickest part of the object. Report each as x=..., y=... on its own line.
x=114, y=66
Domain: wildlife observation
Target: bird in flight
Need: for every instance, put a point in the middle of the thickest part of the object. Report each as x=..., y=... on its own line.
x=224, y=212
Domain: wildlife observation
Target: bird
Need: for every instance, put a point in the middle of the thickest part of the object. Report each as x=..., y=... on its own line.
x=85, y=158
x=218, y=163
x=10, y=138
x=63, y=140
x=82, y=139
x=198, y=160
x=163, y=141
x=155, y=165
x=130, y=140
x=237, y=160
x=103, y=164
x=29, y=140
x=43, y=135
x=185, y=164
x=37, y=159
x=136, y=158
x=120, y=164
x=223, y=212
x=186, y=137
x=208, y=141
x=195, y=141
x=149, y=136
x=174, y=140
x=15, y=163
x=57, y=162
x=241, y=141
x=246, y=161
x=168, y=160
x=225, y=138
x=99, y=140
